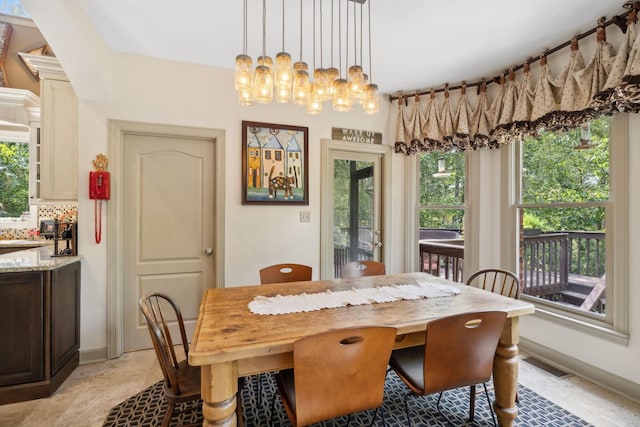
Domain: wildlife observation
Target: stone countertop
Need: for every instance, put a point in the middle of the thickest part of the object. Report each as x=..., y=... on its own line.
x=24, y=243
x=34, y=259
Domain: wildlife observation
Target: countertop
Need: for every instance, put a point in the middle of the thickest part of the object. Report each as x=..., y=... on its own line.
x=24, y=243
x=35, y=259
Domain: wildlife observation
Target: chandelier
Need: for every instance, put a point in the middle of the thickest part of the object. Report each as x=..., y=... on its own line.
x=286, y=82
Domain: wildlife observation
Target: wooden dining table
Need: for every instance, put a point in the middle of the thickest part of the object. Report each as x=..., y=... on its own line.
x=230, y=341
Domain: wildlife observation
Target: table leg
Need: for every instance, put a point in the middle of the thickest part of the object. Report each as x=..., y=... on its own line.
x=219, y=384
x=505, y=374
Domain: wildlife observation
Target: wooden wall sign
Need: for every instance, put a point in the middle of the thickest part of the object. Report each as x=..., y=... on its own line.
x=355, y=135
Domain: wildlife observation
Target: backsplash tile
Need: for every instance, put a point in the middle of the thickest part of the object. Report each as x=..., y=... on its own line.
x=44, y=211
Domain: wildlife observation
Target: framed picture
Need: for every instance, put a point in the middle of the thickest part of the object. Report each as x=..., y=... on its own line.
x=275, y=164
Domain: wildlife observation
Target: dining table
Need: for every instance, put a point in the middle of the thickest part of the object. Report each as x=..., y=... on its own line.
x=230, y=341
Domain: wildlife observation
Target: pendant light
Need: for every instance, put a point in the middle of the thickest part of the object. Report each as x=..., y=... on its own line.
x=333, y=73
x=371, y=98
x=243, y=78
x=300, y=89
x=314, y=106
x=342, y=99
x=283, y=75
x=263, y=81
x=356, y=77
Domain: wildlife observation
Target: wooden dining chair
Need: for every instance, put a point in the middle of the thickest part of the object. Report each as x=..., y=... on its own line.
x=355, y=269
x=181, y=380
x=336, y=373
x=280, y=273
x=458, y=352
x=498, y=281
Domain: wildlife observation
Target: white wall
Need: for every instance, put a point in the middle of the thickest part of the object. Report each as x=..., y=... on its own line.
x=157, y=91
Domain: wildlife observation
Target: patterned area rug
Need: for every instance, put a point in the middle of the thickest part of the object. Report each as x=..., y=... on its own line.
x=147, y=408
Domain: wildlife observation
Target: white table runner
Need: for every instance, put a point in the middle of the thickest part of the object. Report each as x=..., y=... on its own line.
x=286, y=304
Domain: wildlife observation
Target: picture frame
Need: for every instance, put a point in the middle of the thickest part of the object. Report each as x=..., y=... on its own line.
x=275, y=164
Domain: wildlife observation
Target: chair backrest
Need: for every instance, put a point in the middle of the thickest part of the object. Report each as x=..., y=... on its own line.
x=357, y=269
x=459, y=349
x=280, y=273
x=157, y=308
x=340, y=372
x=496, y=280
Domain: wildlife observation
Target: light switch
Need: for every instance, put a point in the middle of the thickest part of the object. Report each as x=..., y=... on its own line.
x=305, y=216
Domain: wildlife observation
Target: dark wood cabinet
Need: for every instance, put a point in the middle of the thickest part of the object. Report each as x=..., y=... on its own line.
x=39, y=331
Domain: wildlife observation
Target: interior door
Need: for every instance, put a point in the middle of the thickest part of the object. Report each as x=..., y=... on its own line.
x=352, y=206
x=168, y=226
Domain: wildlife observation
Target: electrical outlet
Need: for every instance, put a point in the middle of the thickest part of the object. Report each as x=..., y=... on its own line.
x=305, y=216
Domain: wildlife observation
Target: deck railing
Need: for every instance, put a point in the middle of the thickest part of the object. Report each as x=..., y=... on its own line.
x=549, y=259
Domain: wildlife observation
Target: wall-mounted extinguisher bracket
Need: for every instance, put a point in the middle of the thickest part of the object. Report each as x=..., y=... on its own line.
x=99, y=190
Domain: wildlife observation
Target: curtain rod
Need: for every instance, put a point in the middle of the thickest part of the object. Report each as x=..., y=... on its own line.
x=619, y=20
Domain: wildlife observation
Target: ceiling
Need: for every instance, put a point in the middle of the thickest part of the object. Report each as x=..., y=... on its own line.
x=416, y=44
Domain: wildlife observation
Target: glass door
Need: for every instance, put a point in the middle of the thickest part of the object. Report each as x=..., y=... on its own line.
x=352, y=209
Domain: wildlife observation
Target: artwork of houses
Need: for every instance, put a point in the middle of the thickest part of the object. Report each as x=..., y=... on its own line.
x=272, y=153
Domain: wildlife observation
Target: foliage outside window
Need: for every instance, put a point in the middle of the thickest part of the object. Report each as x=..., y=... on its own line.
x=353, y=208
x=564, y=199
x=14, y=179
x=441, y=198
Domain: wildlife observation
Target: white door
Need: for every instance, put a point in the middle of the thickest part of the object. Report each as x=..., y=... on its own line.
x=168, y=226
x=352, y=194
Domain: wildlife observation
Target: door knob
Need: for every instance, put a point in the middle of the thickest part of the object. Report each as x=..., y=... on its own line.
x=208, y=251
x=378, y=244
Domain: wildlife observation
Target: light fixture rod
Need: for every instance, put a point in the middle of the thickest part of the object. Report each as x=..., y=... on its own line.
x=282, y=25
x=264, y=28
x=369, y=23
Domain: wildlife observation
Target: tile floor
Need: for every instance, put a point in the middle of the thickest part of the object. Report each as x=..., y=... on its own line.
x=87, y=395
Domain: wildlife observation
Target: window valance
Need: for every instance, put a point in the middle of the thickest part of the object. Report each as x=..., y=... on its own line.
x=531, y=100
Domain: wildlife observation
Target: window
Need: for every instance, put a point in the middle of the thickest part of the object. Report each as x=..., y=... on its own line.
x=14, y=179
x=567, y=220
x=441, y=179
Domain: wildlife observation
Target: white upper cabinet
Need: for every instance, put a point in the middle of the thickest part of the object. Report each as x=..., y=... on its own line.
x=58, y=141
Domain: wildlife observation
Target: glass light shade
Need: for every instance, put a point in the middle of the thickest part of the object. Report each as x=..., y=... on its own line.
x=283, y=75
x=266, y=61
x=263, y=85
x=300, y=90
x=371, y=100
x=342, y=100
x=243, y=77
x=333, y=74
x=283, y=94
x=314, y=106
x=246, y=96
x=356, y=79
x=321, y=83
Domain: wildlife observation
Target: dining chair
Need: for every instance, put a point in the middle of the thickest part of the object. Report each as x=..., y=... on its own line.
x=181, y=380
x=336, y=373
x=355, y=269
x=280, y=273
x=498, y=281
x=458, y=352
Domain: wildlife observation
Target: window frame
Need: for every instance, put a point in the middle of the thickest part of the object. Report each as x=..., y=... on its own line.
x=615, y=325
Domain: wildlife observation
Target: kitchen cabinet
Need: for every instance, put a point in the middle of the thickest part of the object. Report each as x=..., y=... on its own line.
x=39, y=331
x=58, y=140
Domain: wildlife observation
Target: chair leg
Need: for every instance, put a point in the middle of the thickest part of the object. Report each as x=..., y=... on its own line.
x=167, y=416
x=273, y=409
x=472, y=403
x=486, y=393
x=258, y=389
x=406, y=408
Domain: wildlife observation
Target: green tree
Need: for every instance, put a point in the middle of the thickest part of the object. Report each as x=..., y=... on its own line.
x=14, y=178
x=446, y=190
x=555, y=172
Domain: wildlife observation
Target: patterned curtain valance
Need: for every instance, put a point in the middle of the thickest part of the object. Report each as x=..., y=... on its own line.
x=520, y=106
